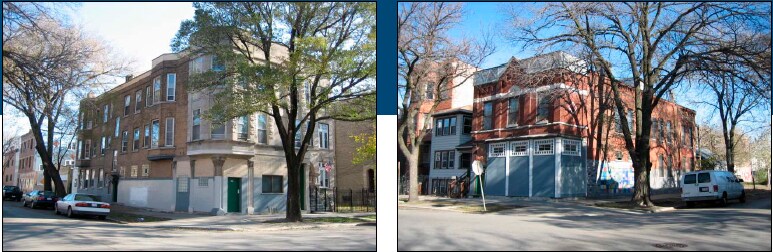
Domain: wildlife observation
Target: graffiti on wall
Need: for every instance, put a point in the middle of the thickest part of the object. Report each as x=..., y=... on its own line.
x=617, y=175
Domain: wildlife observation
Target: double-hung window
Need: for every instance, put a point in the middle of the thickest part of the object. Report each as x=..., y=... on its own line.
x=323, y=136
x=154, y=134
x=242, y=127
x=488, y=119
x=136, y=145
x=467, y=124
x=262, y=133
x=445, y=126
x=117, y=125
x=146, y=141
x=124, y=141
x=148, y=96
x=171, y=86
x=543, y=108
x=445, y=159
x=106, y=115
x=138, y=101
x=157, y=90
x=127, y=100
x=196, y=131
x=169, y=132
x=512, y=113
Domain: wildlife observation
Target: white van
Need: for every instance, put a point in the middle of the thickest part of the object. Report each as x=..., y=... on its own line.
x=711, y=185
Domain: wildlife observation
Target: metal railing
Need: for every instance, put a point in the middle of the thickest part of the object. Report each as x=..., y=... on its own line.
x=342, y=200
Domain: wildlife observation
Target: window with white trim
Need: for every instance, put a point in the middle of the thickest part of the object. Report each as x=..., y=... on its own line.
x=154, y=134
x=196, y=131
x=138, y=101
x=496, y=149
x=134, y=171
x=571, y=147
x=169, y=132
x=127, y=101
x=323, y=136
x=445, y=160
x=512, y=112
x=157, y=90
x=171, y=86
x=124, y=141
x=543, y=147
x=262, y=133
x=520, y=148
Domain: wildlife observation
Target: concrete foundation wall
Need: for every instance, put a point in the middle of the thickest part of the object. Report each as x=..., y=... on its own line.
x=151, y=193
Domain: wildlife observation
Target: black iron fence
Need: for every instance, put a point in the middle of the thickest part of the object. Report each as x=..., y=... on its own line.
x=342, y=200
x=403, y=185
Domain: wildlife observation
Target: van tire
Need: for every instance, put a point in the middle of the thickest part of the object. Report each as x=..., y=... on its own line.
x=743, y=197
x=723, y=200
x=690, y=204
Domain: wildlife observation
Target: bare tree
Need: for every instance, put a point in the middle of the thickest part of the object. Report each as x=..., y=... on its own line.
x=430, y=65
x=46, y=64
x=654, y=42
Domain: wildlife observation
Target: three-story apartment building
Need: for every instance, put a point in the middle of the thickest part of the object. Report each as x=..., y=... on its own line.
x=146, y=143
x=535, y=124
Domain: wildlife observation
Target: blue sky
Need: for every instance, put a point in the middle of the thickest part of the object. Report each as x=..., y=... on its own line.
x=482, y=16
x=137, y=31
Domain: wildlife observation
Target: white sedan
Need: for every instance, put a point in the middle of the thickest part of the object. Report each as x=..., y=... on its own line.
x=82, y=204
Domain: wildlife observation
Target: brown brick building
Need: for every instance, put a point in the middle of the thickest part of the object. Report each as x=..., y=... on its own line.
x=349, y=175
x=146, y=143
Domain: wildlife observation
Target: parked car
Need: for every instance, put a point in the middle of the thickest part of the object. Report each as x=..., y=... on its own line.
x=82, y=204
x=39, y=198
x=719, y=186
x=12, y=192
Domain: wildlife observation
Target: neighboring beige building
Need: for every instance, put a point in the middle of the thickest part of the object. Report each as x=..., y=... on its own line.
x=30, y=170
x=349, y=175
x=145, y=143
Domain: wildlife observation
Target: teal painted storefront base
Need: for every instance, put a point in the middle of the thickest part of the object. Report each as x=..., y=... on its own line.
x=555, y=175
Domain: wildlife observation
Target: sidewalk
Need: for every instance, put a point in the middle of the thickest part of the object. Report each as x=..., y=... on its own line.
x=444, y=203
x=234, y=222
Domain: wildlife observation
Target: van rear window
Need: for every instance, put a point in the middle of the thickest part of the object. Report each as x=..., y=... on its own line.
x=704, y=177
x=689, y=179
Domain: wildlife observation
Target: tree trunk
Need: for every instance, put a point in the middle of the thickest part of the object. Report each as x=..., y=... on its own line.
x=729, y=150
x=413, y=176
x=46, y=158
x=293, y=213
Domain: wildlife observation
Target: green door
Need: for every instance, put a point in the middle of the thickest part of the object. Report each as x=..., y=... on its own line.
x=234, y=195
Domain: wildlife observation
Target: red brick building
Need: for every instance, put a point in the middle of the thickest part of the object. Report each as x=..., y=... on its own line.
x=535, y=123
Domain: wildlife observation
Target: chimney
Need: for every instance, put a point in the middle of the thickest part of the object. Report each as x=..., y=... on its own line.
x=129, y=77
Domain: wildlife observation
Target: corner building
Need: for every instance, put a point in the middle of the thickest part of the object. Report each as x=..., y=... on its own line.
x=535, y=125
x=146, y=143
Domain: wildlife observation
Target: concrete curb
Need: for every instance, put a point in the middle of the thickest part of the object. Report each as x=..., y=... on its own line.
x=115, y=221
x=200, y=228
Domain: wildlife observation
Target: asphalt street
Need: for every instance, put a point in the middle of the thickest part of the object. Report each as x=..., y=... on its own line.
x=41, y=229
x=565, y=226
